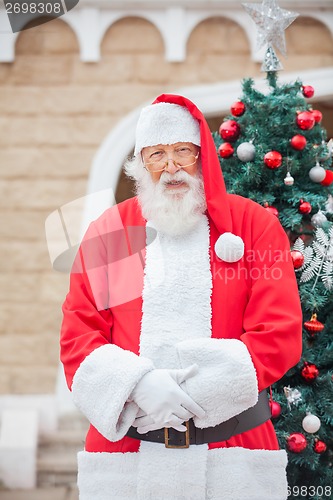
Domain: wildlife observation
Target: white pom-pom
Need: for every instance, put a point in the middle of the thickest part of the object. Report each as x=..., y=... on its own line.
x=229, y=247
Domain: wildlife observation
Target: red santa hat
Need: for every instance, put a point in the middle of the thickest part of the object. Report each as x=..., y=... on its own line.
x=173, y=118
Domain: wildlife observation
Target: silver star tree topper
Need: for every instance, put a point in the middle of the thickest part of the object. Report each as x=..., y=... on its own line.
x=272, y=21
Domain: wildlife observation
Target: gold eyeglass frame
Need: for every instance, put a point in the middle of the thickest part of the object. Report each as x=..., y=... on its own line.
x=167, y=161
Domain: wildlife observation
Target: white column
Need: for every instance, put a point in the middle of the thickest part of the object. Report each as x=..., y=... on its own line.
x=172, y=27
x=18, y=448
x=86, y=24
x=7, y=39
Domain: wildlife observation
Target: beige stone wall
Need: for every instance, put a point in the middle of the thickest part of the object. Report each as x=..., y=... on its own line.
x=55, y=111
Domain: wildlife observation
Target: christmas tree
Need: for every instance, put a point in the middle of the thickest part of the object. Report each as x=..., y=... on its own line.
x=274, y=150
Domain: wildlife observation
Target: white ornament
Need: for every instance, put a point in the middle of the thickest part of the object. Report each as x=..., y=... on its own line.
x=317, y=173
x=293, y=396
x=311, y=423
x=327, y=150
x=246, y=151
x=288, y=180
x=229, y=247
x=271, y=61
x=318, y=219
x=271, y=22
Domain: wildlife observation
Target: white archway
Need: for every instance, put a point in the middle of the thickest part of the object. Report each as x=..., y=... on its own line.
x=212, y=99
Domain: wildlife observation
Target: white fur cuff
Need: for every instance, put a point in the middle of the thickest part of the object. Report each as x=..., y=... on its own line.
x=102, y=385
x=226, y=383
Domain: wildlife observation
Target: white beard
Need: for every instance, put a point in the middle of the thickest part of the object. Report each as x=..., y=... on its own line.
x=172, y=211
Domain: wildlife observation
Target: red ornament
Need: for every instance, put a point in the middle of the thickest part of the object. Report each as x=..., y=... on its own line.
x=296, y=442
x=317, y=115
x=313, y=325
x=271, y=210
x=275, y=409
x=304, y=207
x=305, y=120
x=298, y=258
x=238, y=108
x=226, y=150
x=319, y=446
x=309, y=372
x=229, y=130
x=298, y=142
x=308, y=91
x=328, y=178
x=273, y=159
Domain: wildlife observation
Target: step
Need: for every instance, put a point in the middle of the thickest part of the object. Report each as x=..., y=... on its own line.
x=75, y=422
x=57, y=453
x=63, y=439
x=57, y=463
x=61, y=493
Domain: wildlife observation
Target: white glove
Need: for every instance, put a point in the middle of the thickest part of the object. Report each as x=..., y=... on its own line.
x=163, y=402
x=150, y=425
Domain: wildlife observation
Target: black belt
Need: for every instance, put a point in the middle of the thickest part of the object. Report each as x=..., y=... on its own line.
x=245, y=421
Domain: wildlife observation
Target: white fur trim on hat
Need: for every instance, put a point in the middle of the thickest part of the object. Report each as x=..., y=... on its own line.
x=165, y=123
x=229, y=247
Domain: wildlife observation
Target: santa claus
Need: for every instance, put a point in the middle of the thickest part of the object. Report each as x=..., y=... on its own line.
x=183, y=309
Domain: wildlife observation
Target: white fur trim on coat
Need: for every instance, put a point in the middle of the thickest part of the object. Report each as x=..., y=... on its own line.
x=232, y=474
x=176, y=294
x=226, y=383
x=102, y=385
x=182, y=472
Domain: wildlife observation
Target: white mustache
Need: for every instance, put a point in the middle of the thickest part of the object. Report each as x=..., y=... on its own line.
x=178, y=176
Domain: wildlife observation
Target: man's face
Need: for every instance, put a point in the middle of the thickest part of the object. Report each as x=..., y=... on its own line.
x=182, y=156
x=171, y=193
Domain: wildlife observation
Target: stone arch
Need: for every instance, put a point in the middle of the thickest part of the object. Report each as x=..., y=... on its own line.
x=239, y=18
x=44, y=54
x=39, y=40
x=309, y=45
x=218, y=31
x=326, y=18
x=318, y=37
x=133, y=46
x=123, y=24
x=220, y=48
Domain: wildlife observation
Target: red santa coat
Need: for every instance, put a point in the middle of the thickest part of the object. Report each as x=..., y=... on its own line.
x=254, y=300
x=138, y=300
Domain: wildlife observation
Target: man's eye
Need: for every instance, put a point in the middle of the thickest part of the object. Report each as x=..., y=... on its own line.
x=183, y=151
x=156, y=154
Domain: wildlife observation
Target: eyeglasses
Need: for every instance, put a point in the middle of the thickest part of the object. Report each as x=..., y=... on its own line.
x=159, y=161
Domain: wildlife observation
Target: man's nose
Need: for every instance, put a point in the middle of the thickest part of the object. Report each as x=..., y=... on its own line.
x=171, y=166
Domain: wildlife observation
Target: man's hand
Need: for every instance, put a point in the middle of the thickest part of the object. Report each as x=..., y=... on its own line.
x=145, y=423
x=163, y=402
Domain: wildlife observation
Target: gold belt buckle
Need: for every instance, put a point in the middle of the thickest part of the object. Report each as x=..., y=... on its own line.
x=187, y=438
